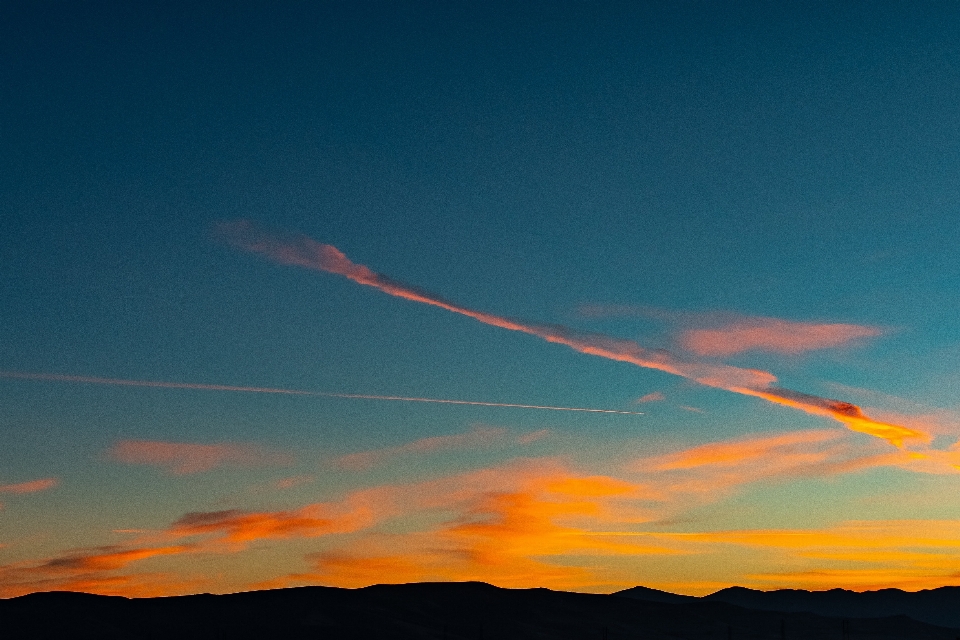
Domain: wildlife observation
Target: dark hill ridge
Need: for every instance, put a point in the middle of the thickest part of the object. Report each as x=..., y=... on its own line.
x=448, y=611
x=934, y=606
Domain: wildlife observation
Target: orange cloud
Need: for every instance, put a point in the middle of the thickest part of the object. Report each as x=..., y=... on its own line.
x=751, y=450
x=241, y=527
x=845, y=413
x=531, y=522
x=104, y=559
x=181, y=458
x=84, y=570
x=29, y=487
x=306, y=252
x=477, y=437
x=773, y=335
x=495, y=524
x=707, y=472
x=511, y=525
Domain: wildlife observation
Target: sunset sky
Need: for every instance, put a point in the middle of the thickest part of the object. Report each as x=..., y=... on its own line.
x=580, y=295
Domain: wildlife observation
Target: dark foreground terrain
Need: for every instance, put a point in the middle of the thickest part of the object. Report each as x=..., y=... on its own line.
x=455, y=611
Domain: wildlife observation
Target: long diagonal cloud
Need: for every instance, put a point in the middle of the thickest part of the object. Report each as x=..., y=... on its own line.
x=305, y=252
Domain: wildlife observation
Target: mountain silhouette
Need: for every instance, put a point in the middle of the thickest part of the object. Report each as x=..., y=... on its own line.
x=441, y=611
x=934, y=606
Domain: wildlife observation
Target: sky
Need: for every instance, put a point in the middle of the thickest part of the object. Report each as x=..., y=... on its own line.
x=577, y=295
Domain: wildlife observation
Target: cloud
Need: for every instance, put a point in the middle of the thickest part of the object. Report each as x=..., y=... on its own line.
x=708, y=472
x=772, y=335
x=512, y=524
x=655, y=396
x=182, y=458
x=748, y=451
x=846, y=413
x=515, y=526
x=241, y=527
x=103, y=559
x=305, y=252
x=530, y=521
x=32, y=486
x=720, y=333
x=936, y=421
x=477, y=437
x=90, y=570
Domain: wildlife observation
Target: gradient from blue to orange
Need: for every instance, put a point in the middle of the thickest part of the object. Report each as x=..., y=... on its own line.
x=772, y=187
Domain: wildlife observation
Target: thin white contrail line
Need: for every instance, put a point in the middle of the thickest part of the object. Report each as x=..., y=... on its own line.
x=56, y=377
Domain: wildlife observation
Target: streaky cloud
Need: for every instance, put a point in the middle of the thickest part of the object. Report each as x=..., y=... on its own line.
x=302, y=251
x=31, y=486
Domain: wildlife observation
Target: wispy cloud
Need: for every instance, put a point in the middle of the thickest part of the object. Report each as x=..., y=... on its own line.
x=236, y=526
x=31, y=486
x=772, y=335
x=512, y=525
x=479, y=436
x=512, y=539
x=655, y=396
x=725, y=333
x=306, y=252
x=706, y=473
x=91, y=570
x=182, y=458
x=717, y=467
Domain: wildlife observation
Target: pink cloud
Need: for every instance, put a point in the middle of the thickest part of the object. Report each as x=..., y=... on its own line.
x=692, y=409
x=655, y=396
x=182, y=458
x=772, y=335
x=32, y=486
x=476, y=437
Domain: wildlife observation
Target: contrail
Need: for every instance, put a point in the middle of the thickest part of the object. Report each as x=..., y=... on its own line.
x=306, y=252
x=56, y=377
